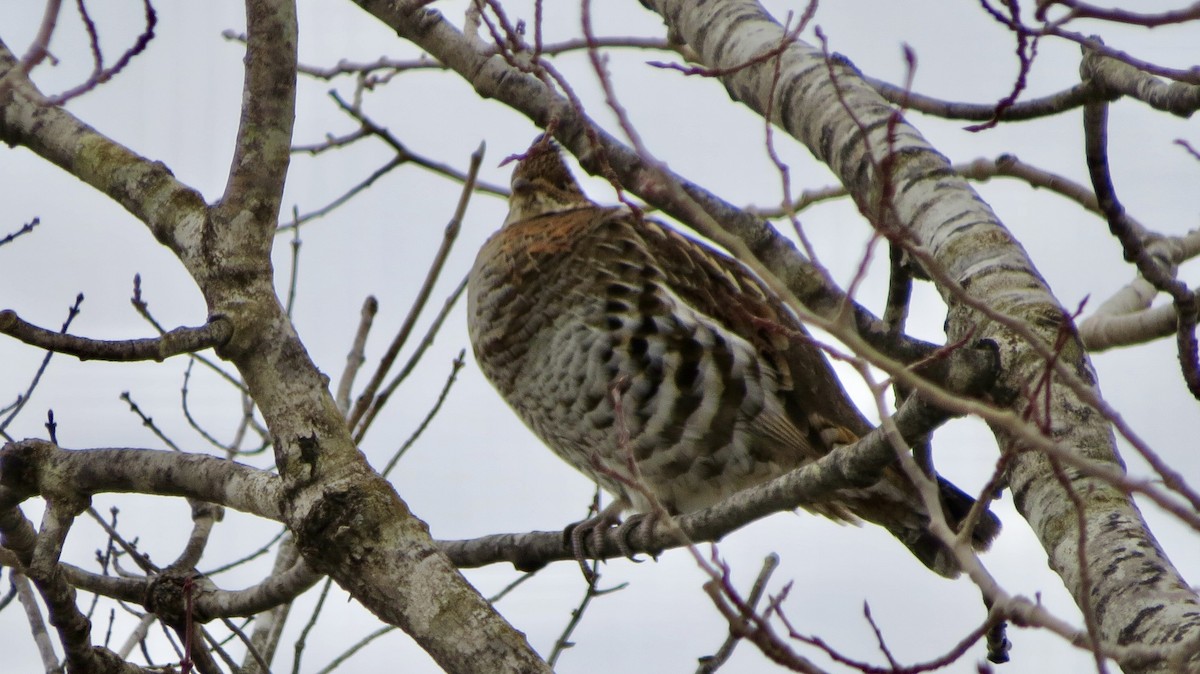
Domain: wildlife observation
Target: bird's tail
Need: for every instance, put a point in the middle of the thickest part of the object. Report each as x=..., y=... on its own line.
x=893, y=504
x=910, y=524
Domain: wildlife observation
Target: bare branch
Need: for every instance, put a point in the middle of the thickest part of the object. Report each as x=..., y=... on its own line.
x=146, y=189
x=40, y=48
x=263, y=145
x=100, y=74
x=36, y=467
x=25, y=229
x=180, y=340
x=1114, y=77
x=563, y=642
x=358, y=646
x=437, y=405
x=1187, y=305
x=711, y=663
x=368, y=404
x=357, y=355
x=1083, y=10
x=16, y=408
x=857, y=465
x=37, y=625
x=1045, y=106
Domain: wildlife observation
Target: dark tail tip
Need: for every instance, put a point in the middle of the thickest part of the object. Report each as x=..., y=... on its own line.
x=927, y=548
x=956, y=503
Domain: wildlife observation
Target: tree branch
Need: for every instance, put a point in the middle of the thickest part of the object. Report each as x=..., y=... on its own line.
x=175, y=213
x=38, y=468
x=263, y=146
x=857, y=465
x=177, y=341
x=598, y=152
x=1187, y=305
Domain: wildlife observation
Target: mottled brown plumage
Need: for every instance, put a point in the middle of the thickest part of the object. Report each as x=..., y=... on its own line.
x=613, y=336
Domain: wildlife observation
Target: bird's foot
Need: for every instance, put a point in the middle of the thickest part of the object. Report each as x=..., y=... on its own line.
x=586, y=538
x=577, y=534
x=625, y=529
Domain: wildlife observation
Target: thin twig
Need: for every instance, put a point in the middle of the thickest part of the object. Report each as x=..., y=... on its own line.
x=883, y=647
x=262, y=550
x=139, y=558
x=434, y=327
x=187, y=414
x=25, y=229
x=357, y=355
x=301, y=640
x=143, y=309
x=455, y=367
x=148, y=422
x=359, y=645
x=298, y=220
x=294, y=276
x=367, y=398
x=712, y=663
x=511, y=586
x=100, y=74
x=16, y=408
x=40, y=48
x=564, y=639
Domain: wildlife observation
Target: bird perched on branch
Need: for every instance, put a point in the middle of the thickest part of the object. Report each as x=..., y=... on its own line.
x=623, y=344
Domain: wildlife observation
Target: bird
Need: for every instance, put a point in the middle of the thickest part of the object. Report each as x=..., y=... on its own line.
x=664, y=369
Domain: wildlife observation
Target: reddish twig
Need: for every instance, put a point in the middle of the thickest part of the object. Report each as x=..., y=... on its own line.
x=100, y=74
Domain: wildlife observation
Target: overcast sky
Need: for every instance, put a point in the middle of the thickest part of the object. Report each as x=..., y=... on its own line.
x=477, y=470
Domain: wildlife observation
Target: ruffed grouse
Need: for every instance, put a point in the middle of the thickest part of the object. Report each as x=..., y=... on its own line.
x=611, y=336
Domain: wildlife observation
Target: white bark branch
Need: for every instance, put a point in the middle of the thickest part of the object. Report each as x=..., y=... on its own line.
x=1138, y=597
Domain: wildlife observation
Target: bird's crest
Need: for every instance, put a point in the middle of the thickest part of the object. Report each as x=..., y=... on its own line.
x=542, y=184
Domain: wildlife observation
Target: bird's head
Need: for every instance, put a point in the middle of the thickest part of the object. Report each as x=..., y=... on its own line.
x=541, y=184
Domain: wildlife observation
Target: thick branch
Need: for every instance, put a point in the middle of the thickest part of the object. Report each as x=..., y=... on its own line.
x=38, y=468
x=1127, y=318
x=174, y=212
x=173, y=343
x=18, y=536
x=348, y=521
x=278, y=589
x=263, y=146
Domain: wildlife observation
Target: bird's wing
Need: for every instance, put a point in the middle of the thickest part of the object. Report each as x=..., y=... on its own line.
x=733, y=295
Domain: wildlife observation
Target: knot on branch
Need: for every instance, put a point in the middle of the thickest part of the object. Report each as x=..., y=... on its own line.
x=969, y=371
x=21, y=468
x=173, y=596
x=29, y=468
x=346, y=523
